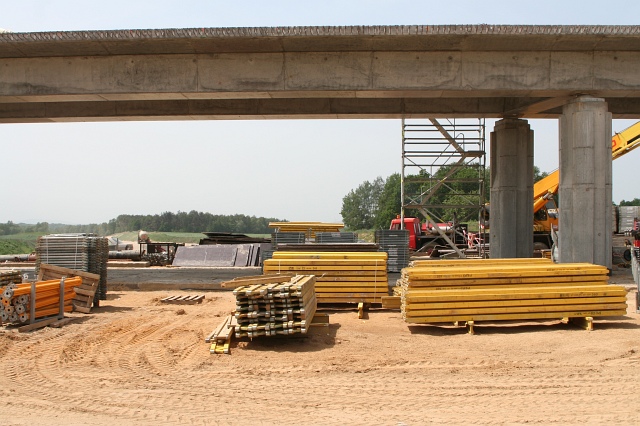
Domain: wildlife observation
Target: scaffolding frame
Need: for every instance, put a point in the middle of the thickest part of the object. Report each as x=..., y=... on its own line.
x=433, y=152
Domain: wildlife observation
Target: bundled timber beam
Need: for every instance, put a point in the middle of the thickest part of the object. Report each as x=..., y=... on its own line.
x=493, y=290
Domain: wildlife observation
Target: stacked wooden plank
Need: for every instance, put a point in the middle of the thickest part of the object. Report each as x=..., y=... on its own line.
x=85, y=292
x=12, y=276
x=281, y=308
x=341, y=277
x=17, y=300
x=507, y=289
x=309, y=228
x=183, y=299
x=220, y=337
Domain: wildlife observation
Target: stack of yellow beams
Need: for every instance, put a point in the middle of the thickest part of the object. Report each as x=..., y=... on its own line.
x=16, y=299
x=309, y=228
x=507, y=289
x=341, y=277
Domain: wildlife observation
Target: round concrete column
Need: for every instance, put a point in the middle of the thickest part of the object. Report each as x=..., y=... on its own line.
x=585, y=182
x=511, y=189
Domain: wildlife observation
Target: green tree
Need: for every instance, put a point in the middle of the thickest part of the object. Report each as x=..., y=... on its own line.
x=359, y=206
x=389, y=204
x=634, y=202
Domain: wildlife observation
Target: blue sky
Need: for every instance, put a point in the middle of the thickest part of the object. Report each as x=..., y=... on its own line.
x=296, y=170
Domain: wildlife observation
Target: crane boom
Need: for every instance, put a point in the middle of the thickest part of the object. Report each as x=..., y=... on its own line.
x=621, y=143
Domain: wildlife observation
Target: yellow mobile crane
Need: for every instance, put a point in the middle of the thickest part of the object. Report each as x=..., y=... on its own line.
x=545, y=210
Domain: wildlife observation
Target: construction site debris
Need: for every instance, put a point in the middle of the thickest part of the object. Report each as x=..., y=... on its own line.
x=341, y=277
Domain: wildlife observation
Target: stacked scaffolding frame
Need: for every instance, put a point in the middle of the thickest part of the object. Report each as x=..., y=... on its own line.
x=438, y=157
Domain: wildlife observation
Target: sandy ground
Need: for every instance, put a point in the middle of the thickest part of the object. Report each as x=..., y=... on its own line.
x=137, y=361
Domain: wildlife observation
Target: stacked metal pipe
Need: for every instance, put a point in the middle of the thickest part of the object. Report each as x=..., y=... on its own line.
x=80, y=252
x=16, y=299
x=341, y=277
x=285, y=307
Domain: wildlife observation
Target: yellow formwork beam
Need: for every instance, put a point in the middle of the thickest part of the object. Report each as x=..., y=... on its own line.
x=513, y=316
x=591, y=307
x=514, y=293
x=327, y=262
x=501, y=303
x=439, y=263
x=564, y=280
x=329, y=255
x=306, y=268
x=460, y=274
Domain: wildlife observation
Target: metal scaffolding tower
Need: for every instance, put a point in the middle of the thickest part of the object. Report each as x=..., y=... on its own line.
x=443, y=172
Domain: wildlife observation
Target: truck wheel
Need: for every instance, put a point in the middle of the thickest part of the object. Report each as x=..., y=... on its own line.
x=540, y=246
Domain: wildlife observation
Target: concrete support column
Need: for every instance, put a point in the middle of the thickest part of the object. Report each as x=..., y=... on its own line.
x=585, y=182
x=511, y=165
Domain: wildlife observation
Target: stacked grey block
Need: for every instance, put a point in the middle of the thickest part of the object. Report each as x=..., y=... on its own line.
x=627, y=215
x=396, y=244
x=287, y=238
x=336, y=237
x=82, y=252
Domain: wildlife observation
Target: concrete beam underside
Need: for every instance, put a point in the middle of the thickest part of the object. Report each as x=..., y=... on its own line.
x=585, y=224
x=511, y=189
x=375, y=84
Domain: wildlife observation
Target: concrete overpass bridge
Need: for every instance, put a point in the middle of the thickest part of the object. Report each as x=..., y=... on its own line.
x=581, y=75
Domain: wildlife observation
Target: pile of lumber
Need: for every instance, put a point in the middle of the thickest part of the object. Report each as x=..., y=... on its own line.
x=308, y=228
x=10, y=277
x=276, y=308
x=267, y=305
x=220, y=337
x=18, y=301
x=341, y=277
x=507, y=289
x=85, y=292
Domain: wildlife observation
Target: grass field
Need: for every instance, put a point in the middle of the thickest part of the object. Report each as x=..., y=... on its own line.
x=18, y=243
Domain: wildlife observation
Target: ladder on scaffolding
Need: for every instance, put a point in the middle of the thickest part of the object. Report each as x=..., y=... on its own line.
x=443, y=173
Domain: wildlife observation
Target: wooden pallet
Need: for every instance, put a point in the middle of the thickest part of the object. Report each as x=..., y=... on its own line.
x=85, y=293
x=183, y=300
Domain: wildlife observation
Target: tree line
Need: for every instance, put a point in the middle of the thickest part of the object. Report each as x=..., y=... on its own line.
x=372, y=205
x=192, y=221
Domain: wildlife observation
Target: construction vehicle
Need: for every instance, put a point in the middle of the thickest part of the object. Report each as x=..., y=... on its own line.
x=545, y=191
x=545, y=209
x=424, y=236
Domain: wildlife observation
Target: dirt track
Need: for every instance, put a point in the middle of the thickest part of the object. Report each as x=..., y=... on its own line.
x=137, y=361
